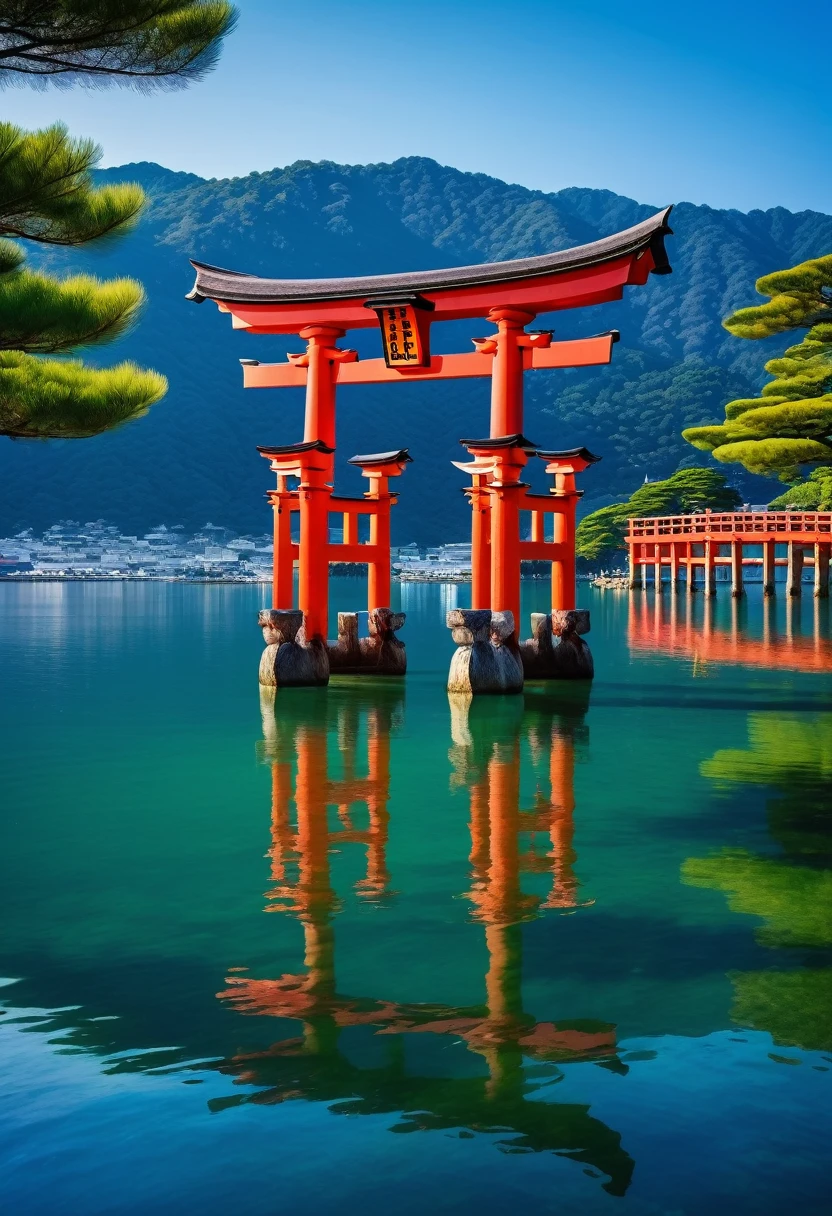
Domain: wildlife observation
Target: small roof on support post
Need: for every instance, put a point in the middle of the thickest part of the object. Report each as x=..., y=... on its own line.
x=401, y=454
x=581, y=453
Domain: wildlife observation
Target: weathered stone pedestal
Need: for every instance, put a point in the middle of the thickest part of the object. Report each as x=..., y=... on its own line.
x=487, y=659
x=287, y=662
x=379, y=654
x=556, y=650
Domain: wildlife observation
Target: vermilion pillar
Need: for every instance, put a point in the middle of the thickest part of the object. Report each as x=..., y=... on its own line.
x=313, y=558
x=282, y=500
x=505, y=550
x=320, y=358
x=563, y=569
x=478, y=497
x=507, y=373
x=565, y=466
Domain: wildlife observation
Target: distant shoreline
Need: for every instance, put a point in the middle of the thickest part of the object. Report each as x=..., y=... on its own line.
x=238, y=580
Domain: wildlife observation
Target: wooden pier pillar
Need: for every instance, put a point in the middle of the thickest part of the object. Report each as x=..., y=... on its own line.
x=794, y=569
x=710, y=568
x=635, y=569
x=768, y=567
x=736, y=569
x=691, y=569
x=822, y=552
x=674, y=566
x=657, y=567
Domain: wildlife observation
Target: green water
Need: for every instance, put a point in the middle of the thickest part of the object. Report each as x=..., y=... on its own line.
x=368, y=951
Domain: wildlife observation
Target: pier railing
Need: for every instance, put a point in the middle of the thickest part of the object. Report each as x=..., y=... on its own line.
x=711, y=539
x=749, y=526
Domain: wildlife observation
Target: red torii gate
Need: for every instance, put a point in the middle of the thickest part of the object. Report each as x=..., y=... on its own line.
x=510, y=294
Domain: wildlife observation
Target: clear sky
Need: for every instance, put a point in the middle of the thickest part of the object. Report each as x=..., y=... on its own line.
x=727, y=103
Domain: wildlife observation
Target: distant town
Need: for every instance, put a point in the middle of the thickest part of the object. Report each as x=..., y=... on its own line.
x=98, y=550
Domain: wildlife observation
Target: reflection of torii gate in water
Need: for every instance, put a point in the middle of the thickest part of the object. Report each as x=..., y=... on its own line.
x=315, y=1064
x=404, y=306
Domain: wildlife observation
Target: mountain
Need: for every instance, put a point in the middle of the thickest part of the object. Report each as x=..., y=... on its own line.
x=193, y=458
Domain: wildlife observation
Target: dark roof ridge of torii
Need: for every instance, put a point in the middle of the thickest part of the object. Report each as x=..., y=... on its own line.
x=234, y=286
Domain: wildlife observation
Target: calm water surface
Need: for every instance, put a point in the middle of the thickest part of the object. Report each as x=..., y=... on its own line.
x=365, y=950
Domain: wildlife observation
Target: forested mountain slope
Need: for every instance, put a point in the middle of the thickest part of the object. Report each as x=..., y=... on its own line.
x=193, y=458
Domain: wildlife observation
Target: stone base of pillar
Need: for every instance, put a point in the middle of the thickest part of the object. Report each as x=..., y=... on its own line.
x=288, y=662
x=380, y=654
x=487, y=659
x=556, y=649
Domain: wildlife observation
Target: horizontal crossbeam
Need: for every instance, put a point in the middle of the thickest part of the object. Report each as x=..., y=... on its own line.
x=578, y=352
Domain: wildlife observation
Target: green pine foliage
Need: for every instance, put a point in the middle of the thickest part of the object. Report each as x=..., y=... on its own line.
x=42, y=315
x=813, y=494
x=799, y=299
x=600, y=534
x=790, y=424
x=47, y=195
x=63, y=399
x=145, y=43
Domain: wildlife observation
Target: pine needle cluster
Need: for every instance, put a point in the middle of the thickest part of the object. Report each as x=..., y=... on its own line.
x=63, y=399
x=143, y=43
x=47, y=196
x=790, y=424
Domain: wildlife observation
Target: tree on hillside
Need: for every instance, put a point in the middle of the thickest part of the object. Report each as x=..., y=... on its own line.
x=144, y=43
x=600, y=534
x=790, y=424
x=812, y=494
x=47, y=196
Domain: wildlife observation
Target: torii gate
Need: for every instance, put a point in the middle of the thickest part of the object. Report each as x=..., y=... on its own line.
x=404, y=306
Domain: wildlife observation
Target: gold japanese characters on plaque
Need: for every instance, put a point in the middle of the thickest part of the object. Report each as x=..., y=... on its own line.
x=405, y=331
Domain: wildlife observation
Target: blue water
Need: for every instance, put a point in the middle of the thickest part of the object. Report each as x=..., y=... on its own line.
x=365, y=950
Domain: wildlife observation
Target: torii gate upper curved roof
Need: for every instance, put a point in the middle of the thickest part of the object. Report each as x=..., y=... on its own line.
x=570, y=278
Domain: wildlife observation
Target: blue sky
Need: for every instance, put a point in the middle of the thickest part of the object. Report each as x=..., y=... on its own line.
x=721, y=103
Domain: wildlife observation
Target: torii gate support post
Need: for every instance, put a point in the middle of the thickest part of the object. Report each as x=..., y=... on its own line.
x=282, y=500
x=480, y=541
x=566, y=493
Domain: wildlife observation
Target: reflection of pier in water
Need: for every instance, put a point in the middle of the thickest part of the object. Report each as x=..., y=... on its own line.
x=676, y=627
x=315, y=1064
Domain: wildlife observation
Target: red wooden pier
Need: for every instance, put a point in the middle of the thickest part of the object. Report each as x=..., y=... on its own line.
x=703, y=542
